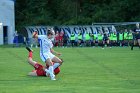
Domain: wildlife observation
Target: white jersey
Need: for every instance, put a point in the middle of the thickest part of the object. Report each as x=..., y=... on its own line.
x=45, y=44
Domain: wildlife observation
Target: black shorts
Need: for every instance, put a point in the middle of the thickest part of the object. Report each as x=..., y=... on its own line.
x=105, y=38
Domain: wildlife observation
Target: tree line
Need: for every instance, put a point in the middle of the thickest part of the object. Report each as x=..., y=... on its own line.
x=75, y=12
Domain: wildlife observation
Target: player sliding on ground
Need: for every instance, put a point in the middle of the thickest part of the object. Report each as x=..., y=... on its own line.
x=40, y=69
x=46, y=51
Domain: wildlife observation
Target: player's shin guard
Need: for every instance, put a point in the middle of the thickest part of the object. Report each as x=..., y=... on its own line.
x=52, y=76
x=51, y=69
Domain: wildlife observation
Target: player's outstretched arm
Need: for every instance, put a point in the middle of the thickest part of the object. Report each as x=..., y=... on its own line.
x=30, y=57
x=54, y=52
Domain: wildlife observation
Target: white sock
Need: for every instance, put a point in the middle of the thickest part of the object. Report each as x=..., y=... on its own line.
x=51, y=69
x=56, y=65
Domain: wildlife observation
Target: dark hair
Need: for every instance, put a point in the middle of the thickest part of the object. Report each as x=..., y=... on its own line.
x=49, y=32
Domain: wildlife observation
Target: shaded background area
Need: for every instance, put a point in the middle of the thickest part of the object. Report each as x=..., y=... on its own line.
x=75, y=12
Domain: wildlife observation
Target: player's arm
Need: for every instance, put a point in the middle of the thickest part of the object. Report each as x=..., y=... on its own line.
x=54, y=52
x=35, y=34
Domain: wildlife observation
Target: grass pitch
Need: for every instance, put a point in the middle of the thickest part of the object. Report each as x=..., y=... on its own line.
x=85, y=70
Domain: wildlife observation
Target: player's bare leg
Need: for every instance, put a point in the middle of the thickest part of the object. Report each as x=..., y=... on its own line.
x=56, y=65
x=55, y=59
x=32, y=74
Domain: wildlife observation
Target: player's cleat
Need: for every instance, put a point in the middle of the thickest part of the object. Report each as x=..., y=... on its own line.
x=52, y=76
x=29, y=49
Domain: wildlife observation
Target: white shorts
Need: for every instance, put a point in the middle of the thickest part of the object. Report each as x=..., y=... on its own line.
x=45, y=56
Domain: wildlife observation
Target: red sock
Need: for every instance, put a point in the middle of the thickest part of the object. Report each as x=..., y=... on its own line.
x=30, y=54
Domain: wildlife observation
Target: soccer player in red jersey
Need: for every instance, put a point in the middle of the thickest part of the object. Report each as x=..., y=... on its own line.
x=40, y=69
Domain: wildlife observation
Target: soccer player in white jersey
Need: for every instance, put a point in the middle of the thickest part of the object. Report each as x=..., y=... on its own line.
x=46, y=51
x=39, y=68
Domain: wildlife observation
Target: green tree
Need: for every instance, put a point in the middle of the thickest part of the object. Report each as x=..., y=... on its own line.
x=71, y=12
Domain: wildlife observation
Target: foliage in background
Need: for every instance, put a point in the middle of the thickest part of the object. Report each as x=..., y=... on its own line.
x=72, y=12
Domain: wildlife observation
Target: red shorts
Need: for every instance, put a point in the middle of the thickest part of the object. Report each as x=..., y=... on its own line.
x=40, y=71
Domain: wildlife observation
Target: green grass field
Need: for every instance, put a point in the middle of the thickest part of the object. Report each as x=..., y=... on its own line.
x=85, y=70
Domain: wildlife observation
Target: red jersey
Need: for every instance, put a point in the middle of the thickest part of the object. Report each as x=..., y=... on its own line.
x=57, y=37
x=61, y=36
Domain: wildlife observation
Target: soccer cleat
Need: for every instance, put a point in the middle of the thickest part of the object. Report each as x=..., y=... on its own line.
x=29, y=49
x=52, y=76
